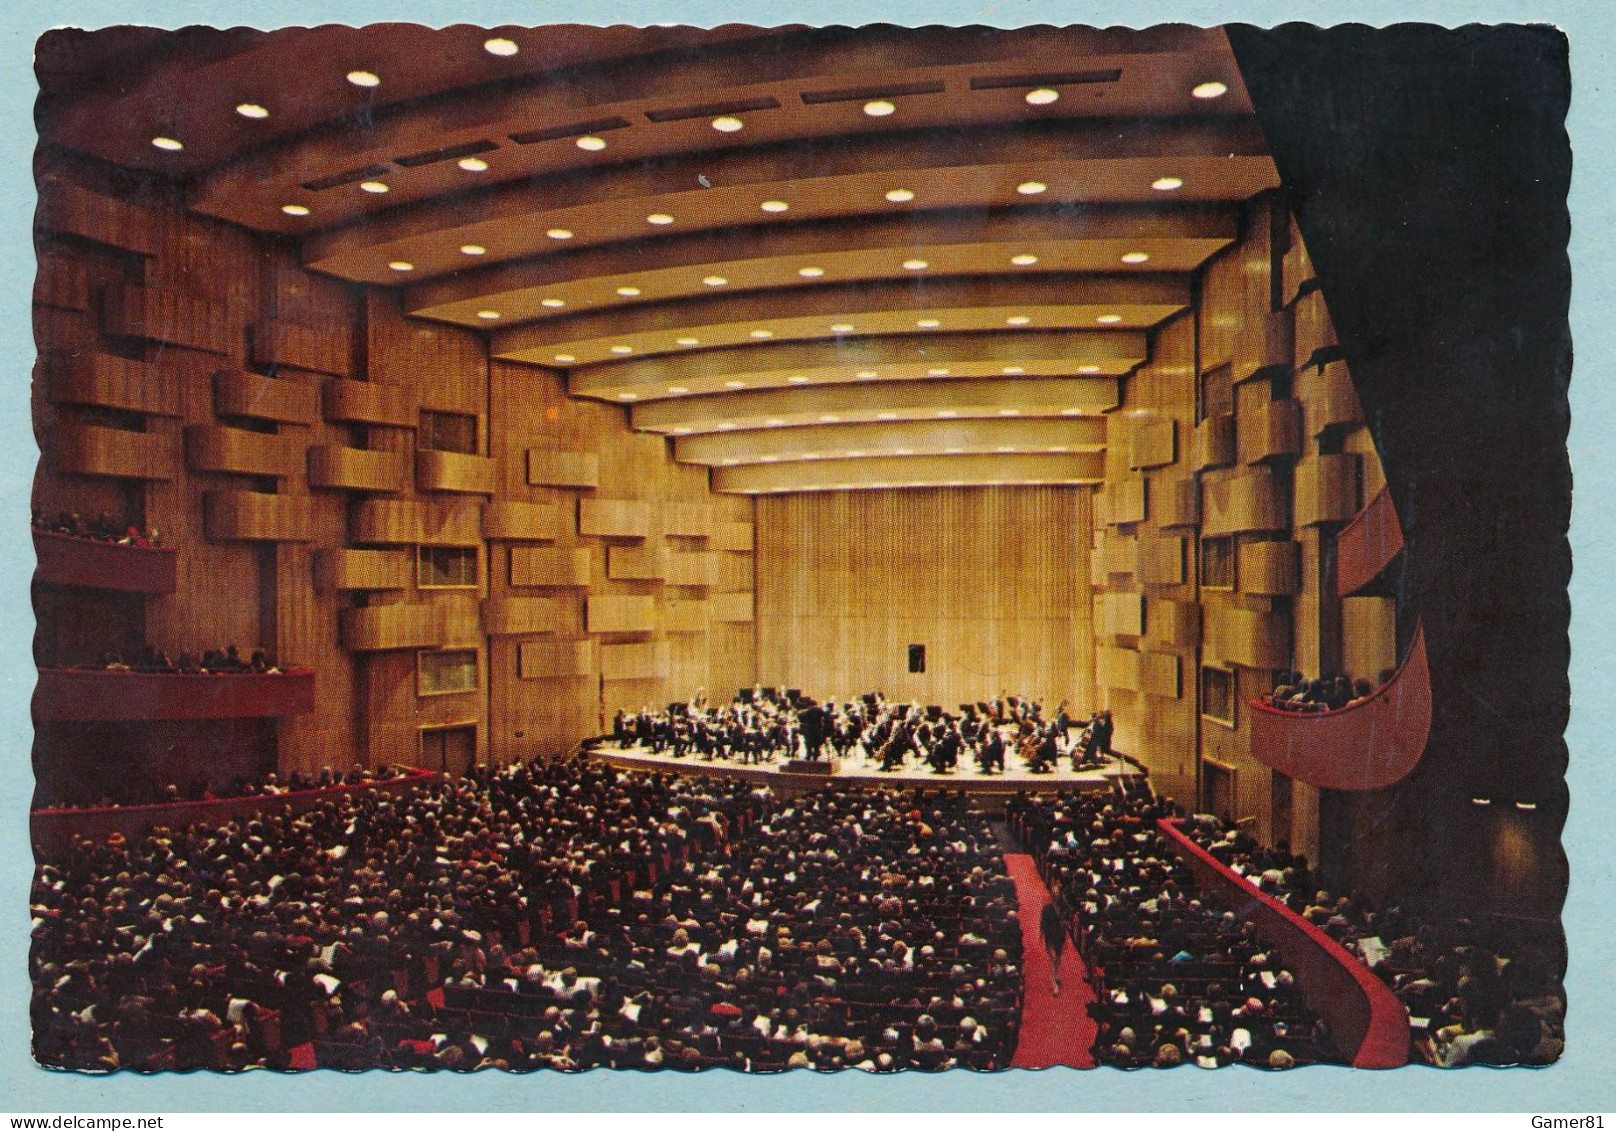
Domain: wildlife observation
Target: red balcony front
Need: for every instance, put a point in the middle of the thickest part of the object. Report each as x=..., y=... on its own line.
x=1367, y=545
x=66, y=560
x=1368, y=745
x=65, y=695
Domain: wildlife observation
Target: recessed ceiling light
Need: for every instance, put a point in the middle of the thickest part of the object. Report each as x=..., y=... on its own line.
x=1059, y=448
x=590, y=142
x=622, y=350
x=900, y=195
x=811, y=455
x=937, y=373
x=1031, y=188
x=715, y=281
x=1017, y=320
x=1009, y=412
x=295, y=209
x=761, y=334
x=774, y=422
x=500, y=46
x=727, y=426
x=946, y=413
x=1136, y=257
x=734, y=384
x=886, y=416
x=373, y=186
x=953, y=451
x=797, y=380
x=364, y=78
x=727, y=124
x=628, y=292
x=559, y=233
x=553, y=303
x=628, y=396
x=1013, y=371
x=774, y=206
x=660, y=219
x=855, y=452
x=1210, y=90
x=1108, y=319
x=928, y=323
x=173, y=145
x=879, y=108
x=768, y=459
x=1088, y=368
x=810, y=272
x=473, y=249
x=564, y=358
x=683, y=429
x=473, y=164
x=1071, y=412
x=729, y=461
x=1167, y=184
x=830, y=418
x=687, y=341
x=915, y=265
x=1043, y=96
x=865, y=375
x=841, y=327
x=677, y=390
x=1004, y=449
x=252, y=110
x=1023, y=260
x=903, y=451
x=401, y=265
x=488, y=315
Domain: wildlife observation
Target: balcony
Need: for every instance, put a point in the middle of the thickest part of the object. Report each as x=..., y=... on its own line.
x=70, y=695
x=1368, y=1023
x=88, y=564
x=1369, y=745
x=1367, y=545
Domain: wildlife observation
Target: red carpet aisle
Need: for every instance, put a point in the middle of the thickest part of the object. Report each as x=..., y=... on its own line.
x=1054, y=1030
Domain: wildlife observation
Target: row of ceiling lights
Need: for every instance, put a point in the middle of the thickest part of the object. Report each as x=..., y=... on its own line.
x=863, y=375
x=832, y=418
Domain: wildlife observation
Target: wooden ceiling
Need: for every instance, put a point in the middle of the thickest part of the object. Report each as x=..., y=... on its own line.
x=818, y=259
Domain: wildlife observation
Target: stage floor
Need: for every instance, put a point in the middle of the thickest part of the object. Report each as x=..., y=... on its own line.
x=860, y=770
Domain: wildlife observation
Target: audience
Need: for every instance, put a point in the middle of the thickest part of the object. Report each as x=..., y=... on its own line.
x=114, y=795
x=1295, y=692
x=102, y=528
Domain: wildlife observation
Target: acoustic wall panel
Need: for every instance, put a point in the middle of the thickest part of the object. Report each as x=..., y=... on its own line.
x=547, y=468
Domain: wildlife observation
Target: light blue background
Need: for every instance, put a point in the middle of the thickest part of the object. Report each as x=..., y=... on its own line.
x=1581, y=1081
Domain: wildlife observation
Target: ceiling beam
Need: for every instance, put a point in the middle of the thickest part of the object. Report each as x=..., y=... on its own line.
x=911, y=438
x=910, y=471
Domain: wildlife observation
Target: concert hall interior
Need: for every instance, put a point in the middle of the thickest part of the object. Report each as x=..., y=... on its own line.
x=799, y=547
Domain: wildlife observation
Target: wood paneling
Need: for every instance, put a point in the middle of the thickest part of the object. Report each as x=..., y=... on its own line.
x=687, y=520
x=1329, y=397
x=733, y=608
x=636, y=563
x=547, y=468
x=538, y=566
x=520, y=616
x=381, y=628
x=355, y=469
x=1269, y=569
x=236, y=451
x=614, y=518
x=634, y=661
x=1327, y=489
x=1241, y=502
x=1249, y=637
x=557, y=659
x=100, y=379
x=1214, y=442
x=993, y=581
x=702, y=568
x=66, y=207
x=1120, y=614
x=1273, y=429
x=523, y=522
x=454, y=471
x=1178, y=502
x=1172, y=625
x=399, y=522
x=1162, y=561
x=1116, y=667
x=1160, y=675
x=1154, y=443
x=1118, y=556
x=248, y=516
x=685, y=616
x=1125, y=501
x=166, y=314
x=1314, y=330
x=364, y=569
x=369, y=402
x=89, y=449
x=236, y=392
x=620, y=614
x=734, y=536
x=277, y=341
x=62, y=283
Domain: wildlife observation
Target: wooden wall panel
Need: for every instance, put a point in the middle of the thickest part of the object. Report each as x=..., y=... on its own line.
x=1160, y=675
x=687, y=520
x=636, y=563
x=379, y=628
x=546, y=468
x=1214, y=442
x=1116, y=667
x=1172, y=625
x=994, y=581
x=1242, y=502
x=695, y=569
x=1327, y=489
x=558, y=659
x=1155, y=443
x=1314, y=330
x=614, y=518
x=1125, y=501
x=543, y=566
x=733, y=608
x=685, y=616
x=89, y=449
x=285, y=400
x=454, y=471
x=61, y=282
x=1270, y=569
x=101, y=379
x=523, y=522
x=521, y=616
x=1178, y=502
x=1120, y=614
x=1328, y=397
x=236, y=451
x=1267, y=428
x=368, y=402
x=620, y=614
x=282, y=341
x=1118, y=556
x=364, y=569
x=168, y=315
x=75, y=210
x=248, y=516
x=634, y=661
x=1253, y=638
x=733, y=536
x=355, y=469
x=1161, y=561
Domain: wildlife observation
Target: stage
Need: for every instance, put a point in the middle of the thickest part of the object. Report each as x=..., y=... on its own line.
x=859, y=770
